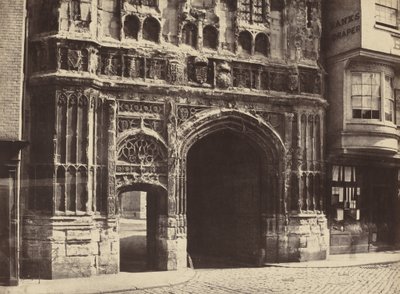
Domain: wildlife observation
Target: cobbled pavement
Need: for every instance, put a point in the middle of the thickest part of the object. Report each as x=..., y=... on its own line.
x=374, y=279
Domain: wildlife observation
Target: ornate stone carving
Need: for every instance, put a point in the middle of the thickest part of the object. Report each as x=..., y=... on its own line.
x=141, y=107
x=141, y=149
x=110, y=64
x=156, y=69
x=128, y=123
x=224, y=79
x=93, y=61
x=136, y=123
x=151, y=3
x=185, y=112
x=293, y=81
x=135, y=178
x=310, y=81
x=201, y=69
x=305, y=29
x=176, y=72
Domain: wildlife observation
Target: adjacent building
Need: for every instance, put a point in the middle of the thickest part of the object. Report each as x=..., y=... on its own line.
x=12, y=48
x=363, y=55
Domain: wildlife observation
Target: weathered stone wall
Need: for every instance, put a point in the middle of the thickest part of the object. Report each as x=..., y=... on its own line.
x=67, y=247
x=131, y=87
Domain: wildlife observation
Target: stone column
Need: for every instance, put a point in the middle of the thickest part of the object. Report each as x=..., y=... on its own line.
x=112, y=108
x=171, y=249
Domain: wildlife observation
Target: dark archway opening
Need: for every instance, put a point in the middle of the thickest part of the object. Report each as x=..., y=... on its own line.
x=151, y=29
x=224, y=201
x=140, y=209
x=189, y=35
x=210, y=37
x=131, y=27
x=245, y=40
x=262, y=45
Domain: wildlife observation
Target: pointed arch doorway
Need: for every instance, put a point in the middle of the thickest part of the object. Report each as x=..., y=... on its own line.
x=227, y=194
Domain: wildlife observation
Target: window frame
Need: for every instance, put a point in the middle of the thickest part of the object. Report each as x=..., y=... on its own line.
x=390, y=99
x=366, y=112
x=383, y=97
x=251, y=8
x=386, y=9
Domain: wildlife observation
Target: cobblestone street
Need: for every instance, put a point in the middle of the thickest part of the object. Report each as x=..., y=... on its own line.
x=384, y=278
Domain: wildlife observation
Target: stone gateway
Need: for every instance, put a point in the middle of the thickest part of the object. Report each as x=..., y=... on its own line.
x=188, y=101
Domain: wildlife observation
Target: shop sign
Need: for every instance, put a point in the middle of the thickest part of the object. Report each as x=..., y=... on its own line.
x=345, y=26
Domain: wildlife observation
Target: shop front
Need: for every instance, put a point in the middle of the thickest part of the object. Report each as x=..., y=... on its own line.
x=364, y=207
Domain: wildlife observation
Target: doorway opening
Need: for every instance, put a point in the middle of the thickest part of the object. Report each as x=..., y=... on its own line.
x=225, y=182
x=140, y=211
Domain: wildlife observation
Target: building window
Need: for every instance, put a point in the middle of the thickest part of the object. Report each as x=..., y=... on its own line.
x=365, y=95
x=131, y=27
x=262, y=44
x=386, y=12
x=210, y=37
x=151, y=3
x=245, y=42
x=151, y=29
x=76, y=9
x=253, y=10
x=389, y=99
x=189, y=35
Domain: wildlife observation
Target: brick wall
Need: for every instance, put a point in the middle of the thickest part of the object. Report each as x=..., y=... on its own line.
x=12, y=32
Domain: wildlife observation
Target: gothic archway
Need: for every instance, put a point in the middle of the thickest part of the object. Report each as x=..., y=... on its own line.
x=256, y=141
x=142, y=199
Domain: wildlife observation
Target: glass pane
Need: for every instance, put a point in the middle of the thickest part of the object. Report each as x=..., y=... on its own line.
x=356, y=113
x=388, y=87
x=356, y=102
x=366, y=102
x=386, y=14
x=375, y=91
x=356, y=90
x=375, y=103
x=387, y=105
x=366, y=114
x=356, y=79
x=366, y=89
x=375, y=114
x=389, y=110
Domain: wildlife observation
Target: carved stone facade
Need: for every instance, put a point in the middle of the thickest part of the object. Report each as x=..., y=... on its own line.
x=120, y=91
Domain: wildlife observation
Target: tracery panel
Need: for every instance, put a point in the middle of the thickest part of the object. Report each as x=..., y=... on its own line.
x=141, y=149
x=80, y=150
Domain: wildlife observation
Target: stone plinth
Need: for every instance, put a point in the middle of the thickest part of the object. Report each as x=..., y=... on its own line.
x=68, y=247
x=307, y=238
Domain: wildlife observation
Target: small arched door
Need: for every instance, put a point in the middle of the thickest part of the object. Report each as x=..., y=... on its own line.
x=140, y=208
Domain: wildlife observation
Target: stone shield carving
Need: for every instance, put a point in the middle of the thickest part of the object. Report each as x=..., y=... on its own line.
x=201, y=69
